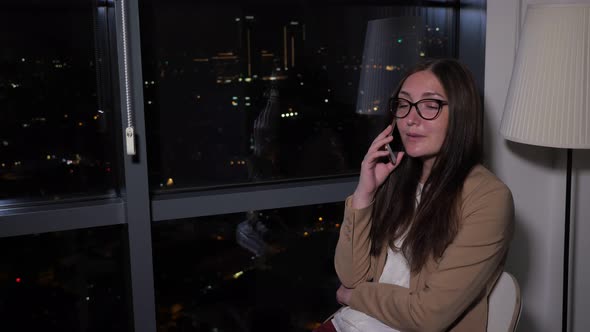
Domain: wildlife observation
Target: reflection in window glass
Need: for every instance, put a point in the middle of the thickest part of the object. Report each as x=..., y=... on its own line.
x=65, y=281
x=246, y=91
x=55, y=103
x=269, y=270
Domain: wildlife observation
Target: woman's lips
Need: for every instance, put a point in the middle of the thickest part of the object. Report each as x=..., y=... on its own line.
x=413, y=137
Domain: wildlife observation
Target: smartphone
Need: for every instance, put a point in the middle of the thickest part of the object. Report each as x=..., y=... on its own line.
x=396, y=146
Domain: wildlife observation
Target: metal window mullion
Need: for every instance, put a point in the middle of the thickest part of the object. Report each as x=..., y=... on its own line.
x=63, y=217
x=136, y=189
x=167, y=207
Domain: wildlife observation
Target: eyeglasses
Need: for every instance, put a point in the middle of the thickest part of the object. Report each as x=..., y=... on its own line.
x=428, y=109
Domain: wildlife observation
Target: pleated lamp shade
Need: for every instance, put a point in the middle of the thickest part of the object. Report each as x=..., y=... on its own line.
x=548, y=101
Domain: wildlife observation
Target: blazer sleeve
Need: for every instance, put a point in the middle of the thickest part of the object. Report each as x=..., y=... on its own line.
x=352, y=258
x=458, y=278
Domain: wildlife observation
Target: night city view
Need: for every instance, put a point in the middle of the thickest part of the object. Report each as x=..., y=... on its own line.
x=236, y=95
x=57, y=136
x=272, y=93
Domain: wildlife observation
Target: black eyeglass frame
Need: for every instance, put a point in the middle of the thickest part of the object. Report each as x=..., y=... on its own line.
x=439, y=102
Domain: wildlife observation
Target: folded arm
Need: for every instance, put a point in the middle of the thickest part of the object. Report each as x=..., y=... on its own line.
x=457, y=279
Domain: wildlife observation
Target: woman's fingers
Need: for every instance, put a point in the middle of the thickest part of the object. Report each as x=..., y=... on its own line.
x=400, y=156
x=379, y=144
x=372, y=157
x=383, y=135
x=385, y=132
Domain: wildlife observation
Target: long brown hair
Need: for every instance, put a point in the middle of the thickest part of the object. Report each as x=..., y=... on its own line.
x=433, y=224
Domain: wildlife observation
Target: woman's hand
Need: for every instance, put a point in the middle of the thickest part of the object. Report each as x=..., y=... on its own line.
x=374, y=172
x=343, y=295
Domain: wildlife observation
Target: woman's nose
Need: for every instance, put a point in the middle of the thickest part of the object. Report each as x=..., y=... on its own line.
x=413, y=117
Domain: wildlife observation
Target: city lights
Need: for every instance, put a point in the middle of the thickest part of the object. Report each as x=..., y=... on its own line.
x=169, y=182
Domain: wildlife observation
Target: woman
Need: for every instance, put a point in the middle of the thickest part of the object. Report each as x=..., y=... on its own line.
x=424, y=240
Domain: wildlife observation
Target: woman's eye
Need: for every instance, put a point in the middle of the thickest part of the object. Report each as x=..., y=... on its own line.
x=431, y=105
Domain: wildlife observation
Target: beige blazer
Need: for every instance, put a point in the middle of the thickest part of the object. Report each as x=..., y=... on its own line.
x=450, y=294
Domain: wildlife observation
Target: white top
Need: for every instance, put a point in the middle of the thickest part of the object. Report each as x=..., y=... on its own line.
x=395, y=272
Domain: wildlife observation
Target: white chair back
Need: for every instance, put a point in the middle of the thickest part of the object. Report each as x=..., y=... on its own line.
x=504, y=305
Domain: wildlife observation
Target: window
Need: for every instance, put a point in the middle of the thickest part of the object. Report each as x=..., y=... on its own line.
x=247, y=271
x=59, y=270
x=56, y=123
x=248, y=92
x=65, y=281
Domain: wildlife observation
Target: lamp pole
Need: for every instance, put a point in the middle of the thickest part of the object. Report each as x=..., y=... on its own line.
x=566, y=242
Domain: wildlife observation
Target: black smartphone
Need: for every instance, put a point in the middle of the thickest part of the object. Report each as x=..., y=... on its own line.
x=396, y=145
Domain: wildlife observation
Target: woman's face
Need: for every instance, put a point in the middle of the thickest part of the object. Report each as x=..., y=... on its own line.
x=423, y=138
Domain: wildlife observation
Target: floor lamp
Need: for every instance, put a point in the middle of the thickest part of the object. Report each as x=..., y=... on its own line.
x=548, y=101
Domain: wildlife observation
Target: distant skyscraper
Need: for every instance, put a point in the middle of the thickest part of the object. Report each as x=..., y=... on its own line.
x=293, y=38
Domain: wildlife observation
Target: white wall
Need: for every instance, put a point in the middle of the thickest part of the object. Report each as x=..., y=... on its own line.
x=581, y=231
x=536, y=176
